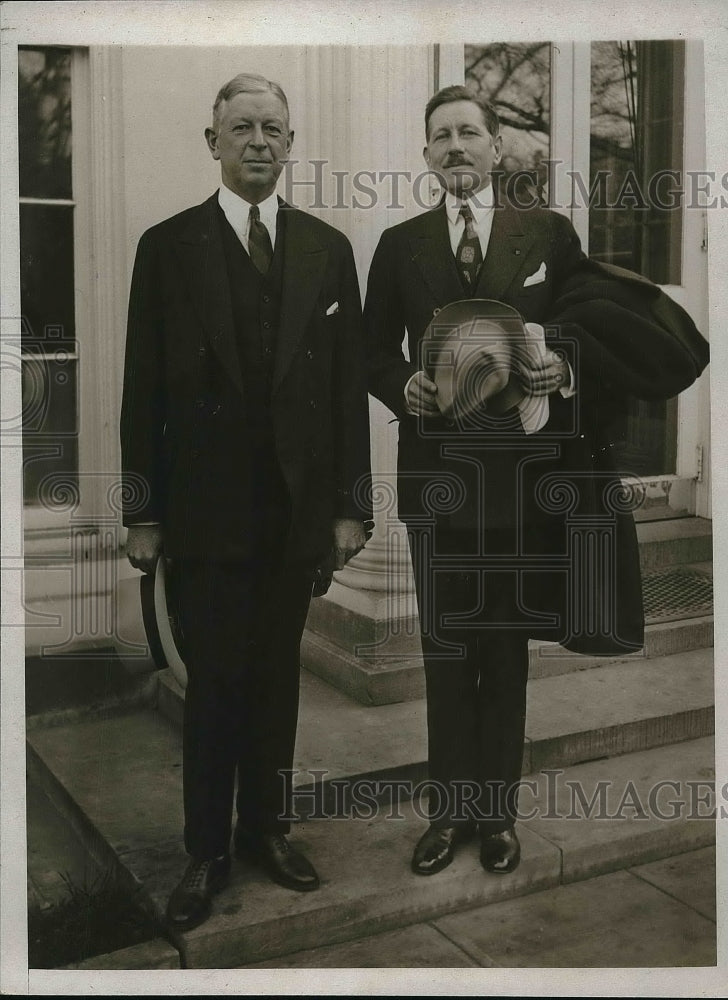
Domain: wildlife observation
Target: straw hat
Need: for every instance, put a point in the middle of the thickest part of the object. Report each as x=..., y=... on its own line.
x=470, y=350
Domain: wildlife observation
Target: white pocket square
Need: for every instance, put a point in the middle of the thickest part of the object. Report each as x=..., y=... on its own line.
x=537, y=277
x=333, y=308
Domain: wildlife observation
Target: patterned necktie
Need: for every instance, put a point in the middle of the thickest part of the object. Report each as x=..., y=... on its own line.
x=260, y=247
x=469, y=255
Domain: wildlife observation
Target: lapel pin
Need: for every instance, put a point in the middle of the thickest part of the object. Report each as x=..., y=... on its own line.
x=517, y=253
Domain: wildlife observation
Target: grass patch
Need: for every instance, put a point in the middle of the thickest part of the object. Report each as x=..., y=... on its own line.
x=97, y=917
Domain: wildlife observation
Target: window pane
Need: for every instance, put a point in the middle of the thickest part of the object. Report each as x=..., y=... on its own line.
x=636, y=136
x=44, y=122
x=636, y=139
x=50, y=431
x=46, y=275
x=648, y=444
x=516, y=80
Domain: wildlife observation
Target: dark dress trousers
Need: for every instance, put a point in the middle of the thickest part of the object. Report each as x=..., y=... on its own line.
x=244, y=432
x=516, y=536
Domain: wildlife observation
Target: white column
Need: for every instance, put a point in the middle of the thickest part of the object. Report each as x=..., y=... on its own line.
x=377, y=122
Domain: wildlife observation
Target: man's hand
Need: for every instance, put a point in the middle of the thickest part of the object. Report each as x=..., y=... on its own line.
x=550, y=376
x=422, y=396
x=143, y=545
x=349, y=538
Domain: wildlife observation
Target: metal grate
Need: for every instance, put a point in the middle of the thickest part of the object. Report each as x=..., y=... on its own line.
x=677, y=593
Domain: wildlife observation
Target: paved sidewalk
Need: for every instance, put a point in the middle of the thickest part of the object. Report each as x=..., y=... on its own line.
x=661, y=914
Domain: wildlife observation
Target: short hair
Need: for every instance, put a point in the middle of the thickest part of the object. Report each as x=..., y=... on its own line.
x=247, y=83
x=448, y=95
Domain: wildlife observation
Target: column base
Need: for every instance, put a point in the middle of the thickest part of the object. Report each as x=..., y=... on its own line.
x=365, y=643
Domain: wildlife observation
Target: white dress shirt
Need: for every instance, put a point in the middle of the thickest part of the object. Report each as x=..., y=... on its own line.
x=534, y=412
x=237, y=212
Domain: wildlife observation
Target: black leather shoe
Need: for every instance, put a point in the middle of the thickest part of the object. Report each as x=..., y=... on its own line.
x=500, y=852
x=436, y=848
x=285, y=865
x=190, y=903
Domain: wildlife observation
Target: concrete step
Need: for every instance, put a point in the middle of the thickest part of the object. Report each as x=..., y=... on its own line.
x=683, y=635
x=64, y=689
x=123, y=774
x=378, y=660
x=661, y=914
x=384, y=681
x=619, y=708
x=669, y=543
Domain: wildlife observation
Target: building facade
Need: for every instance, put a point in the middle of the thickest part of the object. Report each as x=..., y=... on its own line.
x=111, y=141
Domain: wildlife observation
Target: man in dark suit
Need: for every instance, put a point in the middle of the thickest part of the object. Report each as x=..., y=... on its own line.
x=490, y=546
x=244, y=435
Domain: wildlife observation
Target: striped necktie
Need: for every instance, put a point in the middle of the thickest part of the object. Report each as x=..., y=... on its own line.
x=260, y=247
x=469, y=256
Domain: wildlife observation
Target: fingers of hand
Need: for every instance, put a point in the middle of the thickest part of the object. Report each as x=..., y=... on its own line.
x=545, y=378
x=144, y=556
x=346, y=552
x=343, y=555
x=421, y=395
x=146, y=564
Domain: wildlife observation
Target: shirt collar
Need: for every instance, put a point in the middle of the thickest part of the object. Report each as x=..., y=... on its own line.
x=236, y=209
x=480, y=205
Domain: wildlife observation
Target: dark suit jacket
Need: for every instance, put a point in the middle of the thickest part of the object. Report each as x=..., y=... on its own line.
x=413, y=275
x=617, y=346
x=185, y=456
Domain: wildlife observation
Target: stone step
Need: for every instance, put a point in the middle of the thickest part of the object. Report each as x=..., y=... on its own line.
x=400, y=676
x=577, y=822
x=346, y=649
x=64, y=689
x=672, y=542
x=620, y=708
x=669, y=638
x=368, y=645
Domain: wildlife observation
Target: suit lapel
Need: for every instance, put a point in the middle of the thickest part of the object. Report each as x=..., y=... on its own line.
x=201, y=251
x=431, y=251
x=304, y=266
x=506, y=254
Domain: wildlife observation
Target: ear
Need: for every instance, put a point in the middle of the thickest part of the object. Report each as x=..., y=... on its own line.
x=289, y=141
x=426, y=155
x=498, y=149
x=211, y=139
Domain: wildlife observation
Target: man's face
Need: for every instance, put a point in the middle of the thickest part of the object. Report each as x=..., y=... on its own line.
x=460, y=148
x=252, y=142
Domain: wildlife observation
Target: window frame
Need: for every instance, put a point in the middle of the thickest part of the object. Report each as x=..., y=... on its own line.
x=689, y=487
x=100, y=281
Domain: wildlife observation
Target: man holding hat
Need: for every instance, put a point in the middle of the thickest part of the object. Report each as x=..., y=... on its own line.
x=244, y=434
x=502, y=437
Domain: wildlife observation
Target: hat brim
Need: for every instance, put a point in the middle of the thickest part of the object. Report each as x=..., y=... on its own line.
x=158, y=625
x=450, y=332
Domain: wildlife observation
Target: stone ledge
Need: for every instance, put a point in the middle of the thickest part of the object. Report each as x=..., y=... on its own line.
x=401, y=678
x=156, y=954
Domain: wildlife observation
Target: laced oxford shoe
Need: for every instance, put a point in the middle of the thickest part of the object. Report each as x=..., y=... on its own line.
x=190, y=902
x=500, y=852
x=436, y=848
x=283, y=863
